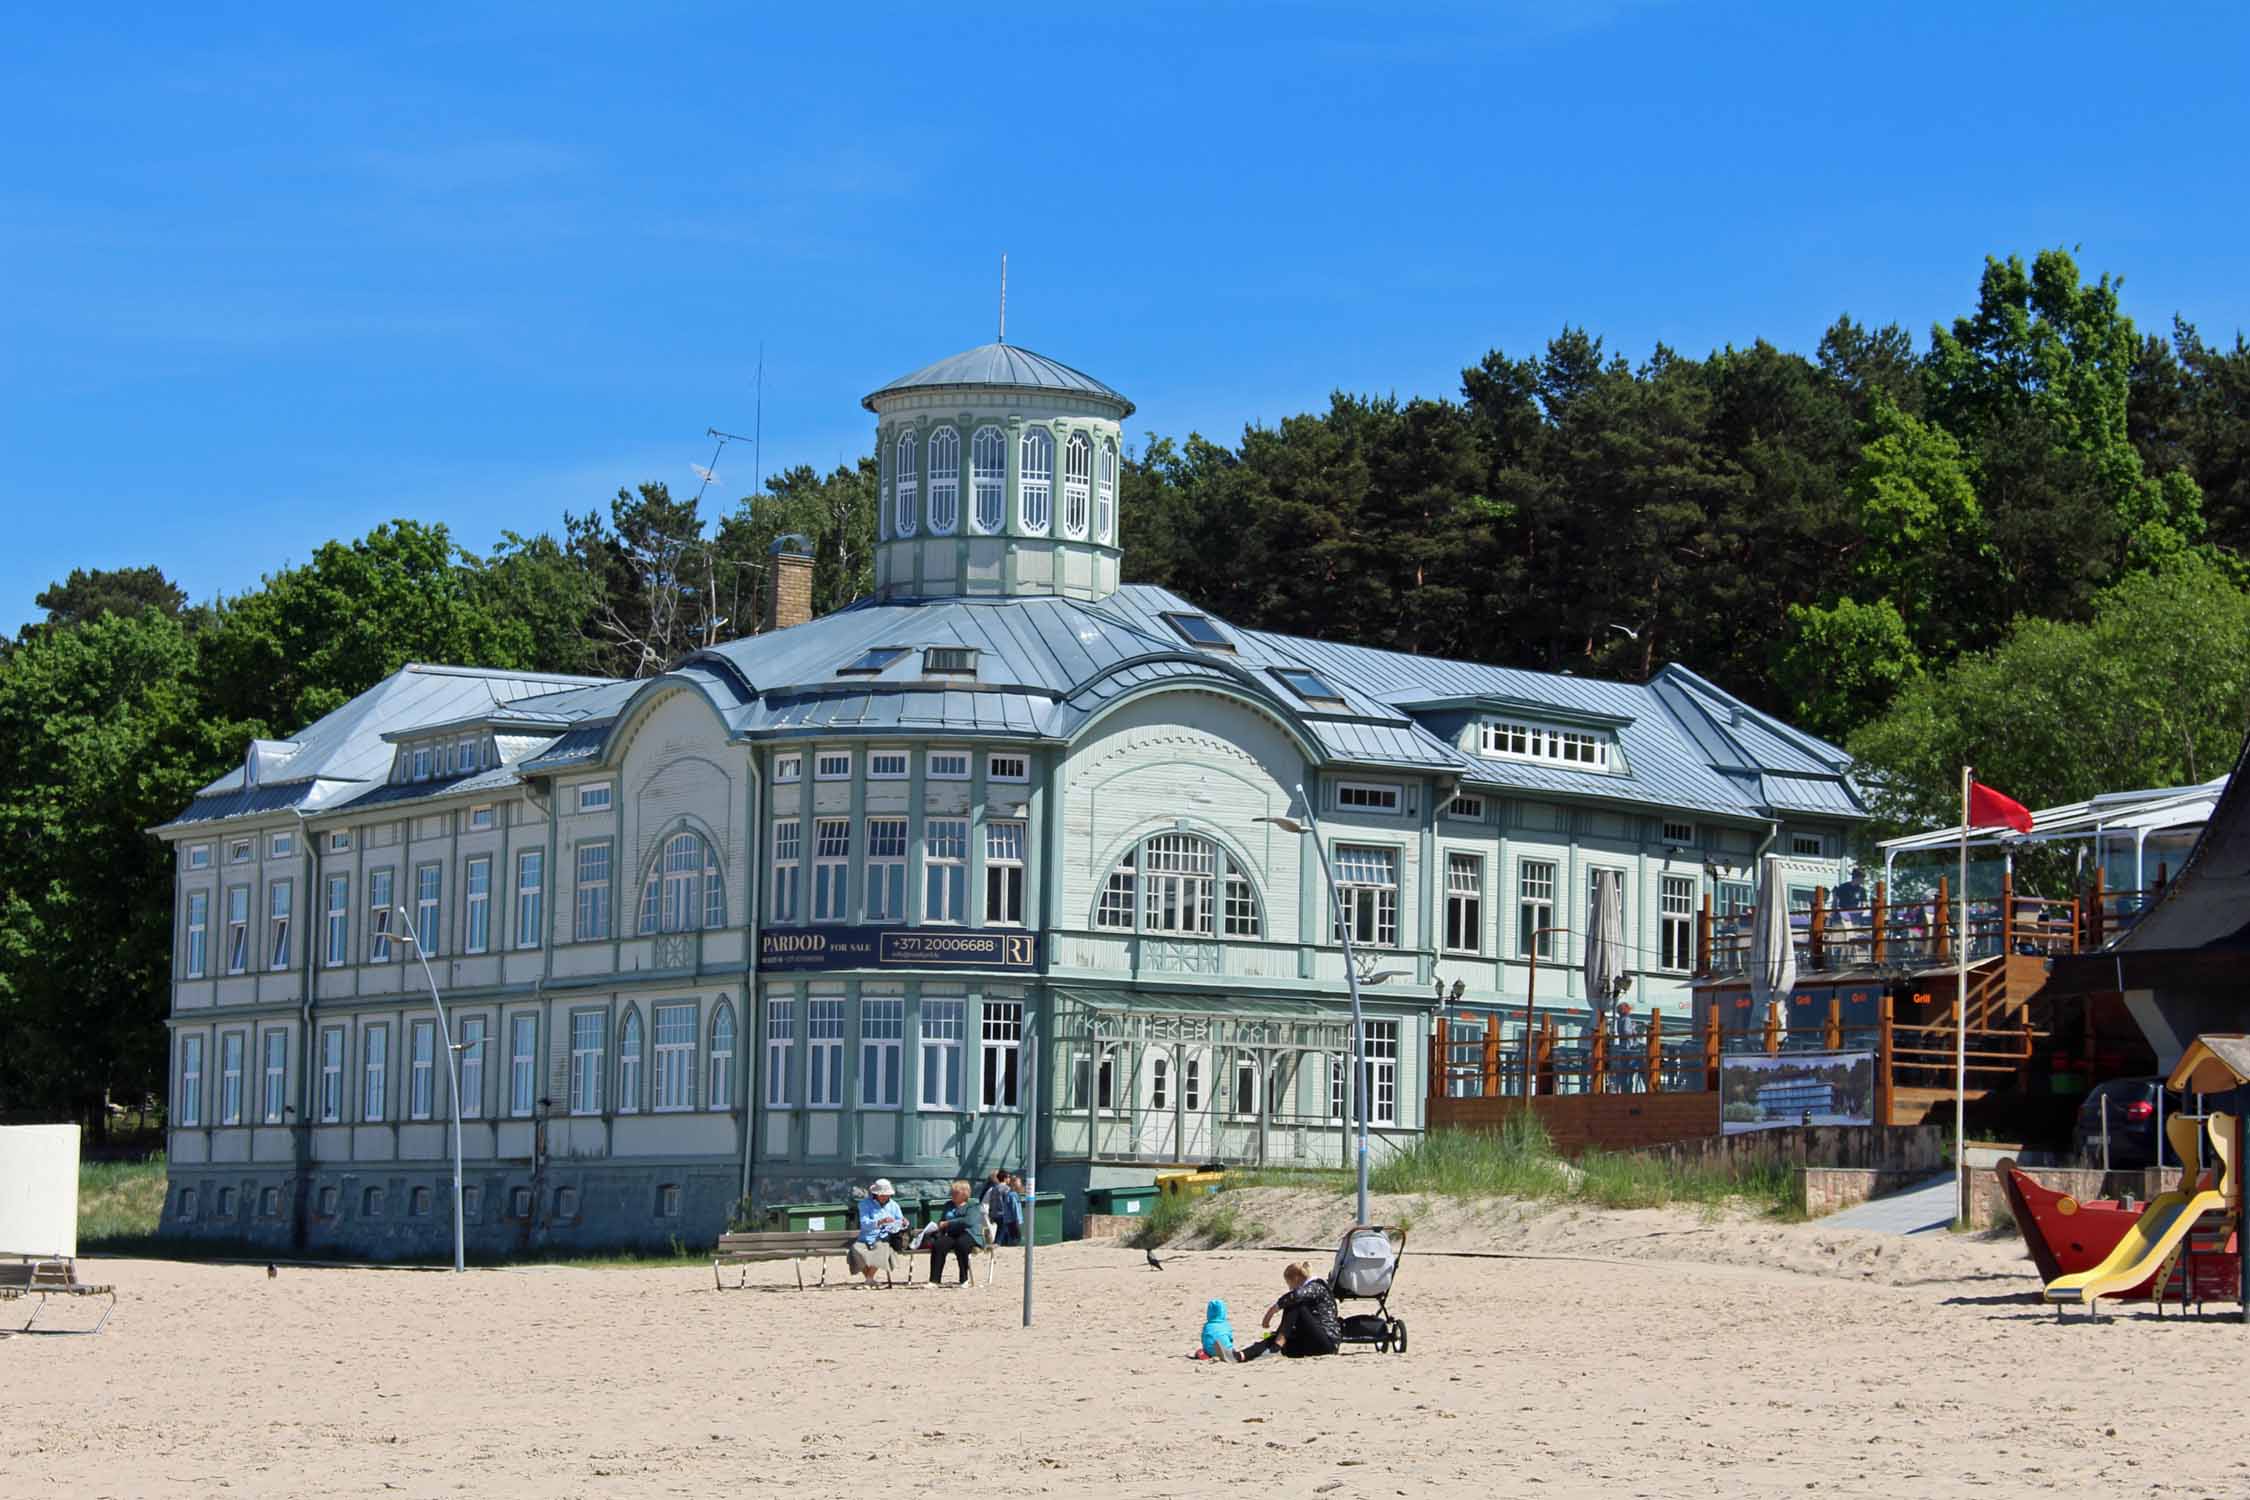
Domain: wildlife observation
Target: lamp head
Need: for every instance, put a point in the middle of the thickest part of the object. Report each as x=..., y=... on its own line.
x=1283, y=822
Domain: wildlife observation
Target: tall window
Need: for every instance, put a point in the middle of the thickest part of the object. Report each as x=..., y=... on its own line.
x=1035, y=481
x=379, y=894
x=586, y=1063
x=198, y=932
x=428, y=883
x=1676, y=922
x=1382, y=1072
x=230, y=1078
x=531, y=896
x=781, y=1050
x=375, y=1047
x=339, y=934
x=788, y=852
x=278, y=900
x=1464, y=902
x=472, y=1067
x=523, y=1063
x=988, y=480
x=882, y=1050
x=629, y=1043
x=943, y=1022
x=592, y=888
x=1078, y=477
x=1105, y=494
x=331, y=1074
x=1002, y=1052
x=421, y=1071
x=189, y=1105
x=832, y=868
x=675, y=1057
x=1535, y=908
x=906, y=487
x=238, y=929
x=1120, y=893
x=479, y=884
x=277, y=1076
x=1180, y=883
x=1003, y=873
x=945, y=853
x=683, y=891
x=945, y=481
x=824, y=1049
x=886, y=869
x=720, y=1094
x=1244, y=1099
x=1159, y=1080
x=1367, y=888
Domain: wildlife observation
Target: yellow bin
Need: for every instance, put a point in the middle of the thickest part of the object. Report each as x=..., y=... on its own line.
x=1189, y=1184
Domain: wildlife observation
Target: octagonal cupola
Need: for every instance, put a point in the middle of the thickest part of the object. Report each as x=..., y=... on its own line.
x=999, y=476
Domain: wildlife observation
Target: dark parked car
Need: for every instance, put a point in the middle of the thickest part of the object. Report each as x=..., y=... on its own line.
x=2134, y=1105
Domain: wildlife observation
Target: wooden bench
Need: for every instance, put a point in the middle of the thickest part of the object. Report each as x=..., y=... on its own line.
x=793, y=1245
x=50, y=1276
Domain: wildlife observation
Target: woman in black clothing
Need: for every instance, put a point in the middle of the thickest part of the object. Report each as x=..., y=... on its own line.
x=1309, y=1324
x=960, y=1232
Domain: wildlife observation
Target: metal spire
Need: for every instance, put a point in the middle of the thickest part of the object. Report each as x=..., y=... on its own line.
x=1003, y=296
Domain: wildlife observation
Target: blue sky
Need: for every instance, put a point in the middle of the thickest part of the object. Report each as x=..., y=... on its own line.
x=270, y=277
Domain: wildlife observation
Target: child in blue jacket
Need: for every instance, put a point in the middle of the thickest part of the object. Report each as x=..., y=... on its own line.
x=1218, y=1333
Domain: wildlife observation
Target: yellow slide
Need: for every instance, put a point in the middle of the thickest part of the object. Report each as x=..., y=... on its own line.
x=2163, y=1225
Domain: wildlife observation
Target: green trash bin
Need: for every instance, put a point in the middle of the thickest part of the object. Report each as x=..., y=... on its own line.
x=812, y=1218
x=1136, y=1201
x=1047, y=1218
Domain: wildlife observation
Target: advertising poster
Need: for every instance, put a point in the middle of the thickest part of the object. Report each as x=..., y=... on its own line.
x=1757, y=1092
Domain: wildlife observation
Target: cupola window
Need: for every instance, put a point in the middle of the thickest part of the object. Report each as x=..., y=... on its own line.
x=1036, y=482
x=988, y=478
x=906, y=487
x=1078, y=475
x=1105, y=495
x=945, y=481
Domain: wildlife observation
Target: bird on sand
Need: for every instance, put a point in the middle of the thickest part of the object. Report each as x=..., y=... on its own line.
x=1153, y=1263
x=271, y=1273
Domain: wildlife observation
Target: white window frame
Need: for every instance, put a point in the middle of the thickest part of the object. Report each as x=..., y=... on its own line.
x=887, y=846
x=887, y=765
x=375, y=1072
x=331, y=1103
x=591, y=920
x=471, y=1048
x=199, y=856
x=337, y=941
x=1004, y=874
x=674, y=1031
x=476, y=905
x=1678, y=833
x=382, y=890
x=280, y=845
x=1808, y=845
x=882, y=1050
x=1467, y=807
x=947, y=765
x=788, y=770
x=480, y=817
x=418, y=763
x=824, y=1052
x=1007, y=766
x=588, y=1060
x=596, y=796
x=196, y=950
x=281, y=910
x=1675, y=922
x=1105, y=494
x=1078, y=486
x=523, y=1064
x=1535, y=906
x=1000, y=1056
x=429, y=893
x=1371, y=906
x=238, y=929
x=531, y=896
x=1578, y=749
x=788, y=870
x=232, y=1045
x=944, y=1026
x=238, y=852
x=988, y=482
x=906, y=486
x=189, y=1104
x=832, y=870
x=340, y=842
x=945, y=871
x=781, y=1051
x=1370, y=796
x=1464, y=901
x=944, y=464
x=1380, y=1046
x=832, y=765
x=421, y=1071
x=632, y=1043
x=1035, y=482
x=274, y=1097
x=718, y=1093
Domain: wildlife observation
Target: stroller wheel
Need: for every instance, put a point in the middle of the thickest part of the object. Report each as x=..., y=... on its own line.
x=1398, y=1334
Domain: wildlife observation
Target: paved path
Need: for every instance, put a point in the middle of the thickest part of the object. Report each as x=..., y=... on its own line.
x=1917, y=1210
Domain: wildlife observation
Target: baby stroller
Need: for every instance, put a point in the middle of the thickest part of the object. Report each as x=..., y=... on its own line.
x=1366, y=1265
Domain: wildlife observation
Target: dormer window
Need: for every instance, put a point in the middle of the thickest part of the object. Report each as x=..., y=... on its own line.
x=419, y=764
x=1198, y=630
x=1310, y=686
x=940, y=660
x=872, y=660
x=1580, y=748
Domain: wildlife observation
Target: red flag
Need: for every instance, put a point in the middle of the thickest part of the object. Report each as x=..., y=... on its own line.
x=1988, y=808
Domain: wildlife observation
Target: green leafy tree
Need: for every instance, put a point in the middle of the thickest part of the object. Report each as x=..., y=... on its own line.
x=554, y=594
x=1844, y=663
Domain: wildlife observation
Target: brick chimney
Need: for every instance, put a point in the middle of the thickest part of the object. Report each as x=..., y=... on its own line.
x=789, y=585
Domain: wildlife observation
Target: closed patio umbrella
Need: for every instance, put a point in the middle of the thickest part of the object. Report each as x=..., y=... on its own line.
x=1773, y=951
x=1605, y=942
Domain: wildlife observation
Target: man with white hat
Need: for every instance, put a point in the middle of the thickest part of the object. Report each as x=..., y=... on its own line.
x=882, y=1229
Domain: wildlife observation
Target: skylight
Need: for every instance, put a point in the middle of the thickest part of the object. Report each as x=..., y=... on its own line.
x=949, y=659
x=1310, y=686
x=1198, y=630
x=875, y=659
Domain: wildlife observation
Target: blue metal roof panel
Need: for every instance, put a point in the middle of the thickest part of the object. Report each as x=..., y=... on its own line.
x=1009, y=366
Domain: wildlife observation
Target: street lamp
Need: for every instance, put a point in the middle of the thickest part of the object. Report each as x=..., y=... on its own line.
x=1352, y=977
x=452, y=1076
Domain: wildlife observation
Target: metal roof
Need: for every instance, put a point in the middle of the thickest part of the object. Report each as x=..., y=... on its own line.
x=1006, y=366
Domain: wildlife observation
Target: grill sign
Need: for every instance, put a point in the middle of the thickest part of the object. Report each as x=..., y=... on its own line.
x=813, y=948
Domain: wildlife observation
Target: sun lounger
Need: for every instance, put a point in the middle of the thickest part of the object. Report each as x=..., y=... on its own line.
x=50, y=1276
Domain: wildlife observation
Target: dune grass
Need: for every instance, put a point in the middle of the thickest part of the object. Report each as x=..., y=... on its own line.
x=119, y=1203
x=1520, y=1161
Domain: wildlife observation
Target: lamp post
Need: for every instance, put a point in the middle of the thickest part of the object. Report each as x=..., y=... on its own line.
x=452, y=1077
x=1311, y=824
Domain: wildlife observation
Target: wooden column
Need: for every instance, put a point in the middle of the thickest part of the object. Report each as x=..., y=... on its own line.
x=1879, y=943
x=1773, y=1027
x=1441, y=1059
x=1941, y=920
x=1817, y=926
x=1883, y=1059
x=1703, y=932
x=1547, y=1055
x=1655, y=1051
x=1598, y=1083
x=2007, y=912
x=1833, y=1036
x=1711, y=1035
x=1492, y=1054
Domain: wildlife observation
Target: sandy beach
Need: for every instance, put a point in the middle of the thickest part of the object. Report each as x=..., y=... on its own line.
x=1656, y=1353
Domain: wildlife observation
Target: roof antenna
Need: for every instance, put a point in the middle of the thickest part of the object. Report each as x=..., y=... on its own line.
x=1003, y=296
x=758, y=432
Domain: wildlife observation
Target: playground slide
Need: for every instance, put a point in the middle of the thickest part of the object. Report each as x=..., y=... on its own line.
x=2170, y=1216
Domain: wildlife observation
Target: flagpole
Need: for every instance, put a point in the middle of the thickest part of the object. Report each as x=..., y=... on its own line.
x=1961, y=1023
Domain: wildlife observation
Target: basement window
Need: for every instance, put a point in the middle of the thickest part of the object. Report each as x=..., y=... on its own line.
x=873, y=660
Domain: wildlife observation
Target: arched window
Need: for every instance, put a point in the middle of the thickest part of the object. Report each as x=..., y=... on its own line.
x=683, y=892
x=721, y=1095
x=1242, y=1101
x=906, y=487
x=988, y=479
x=1159, y=1079
x=945, y=481
x=1180, y=883
x=1078, y=473
x=629, y=1063
x=1105, y=495
x=1035, y=481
